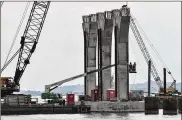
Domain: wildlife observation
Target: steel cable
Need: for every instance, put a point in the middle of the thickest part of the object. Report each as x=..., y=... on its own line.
x=17, y=32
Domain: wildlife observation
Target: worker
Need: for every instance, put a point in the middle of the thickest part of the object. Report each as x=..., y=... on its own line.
x=59, y=96
x=130, y=66
x=63, y=103
x=134, y=67
x=60, y=102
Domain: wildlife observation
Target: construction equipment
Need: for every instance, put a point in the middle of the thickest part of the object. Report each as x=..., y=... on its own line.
x=136, y=95
x=49, y=88
x=147, y=56
x=172, y=88
x=28, y=43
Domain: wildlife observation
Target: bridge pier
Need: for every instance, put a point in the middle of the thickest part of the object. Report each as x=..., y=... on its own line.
x=105, y=25
x=90, y=39
x=121, y=20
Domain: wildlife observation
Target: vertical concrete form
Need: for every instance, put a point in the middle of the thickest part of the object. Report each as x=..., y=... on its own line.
x=105, y=25
x=90, y=33
x=121, y=19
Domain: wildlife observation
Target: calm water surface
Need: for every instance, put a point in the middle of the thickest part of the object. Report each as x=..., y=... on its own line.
x=94, y=116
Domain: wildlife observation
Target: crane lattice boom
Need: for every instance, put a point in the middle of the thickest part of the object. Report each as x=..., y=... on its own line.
x=30, y=37
x=145, y=52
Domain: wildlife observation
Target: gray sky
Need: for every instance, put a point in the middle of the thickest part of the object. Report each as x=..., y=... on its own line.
x=59, y=53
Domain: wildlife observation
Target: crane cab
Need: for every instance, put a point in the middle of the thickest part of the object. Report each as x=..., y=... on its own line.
x=6, y=82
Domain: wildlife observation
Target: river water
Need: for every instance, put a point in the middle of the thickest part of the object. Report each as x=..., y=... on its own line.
x=94, y=116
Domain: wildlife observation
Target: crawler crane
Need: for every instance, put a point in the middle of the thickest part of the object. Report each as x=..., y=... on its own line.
x=28, y=43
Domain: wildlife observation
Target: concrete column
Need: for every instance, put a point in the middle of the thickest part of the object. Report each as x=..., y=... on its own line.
x=121, y=20
x=116, y=16
x=105, y=23
x=90, y=29
x=123, y=55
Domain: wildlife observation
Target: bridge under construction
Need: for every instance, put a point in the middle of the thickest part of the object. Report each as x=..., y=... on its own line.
x=98, y=30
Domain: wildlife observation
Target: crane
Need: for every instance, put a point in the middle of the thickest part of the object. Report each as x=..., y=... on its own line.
x=146, y=53
x=50, y=87
x=147, y=56
x=172, y=89
x=28, y=43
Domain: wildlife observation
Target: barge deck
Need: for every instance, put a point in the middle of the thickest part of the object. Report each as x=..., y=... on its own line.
x=48, y=109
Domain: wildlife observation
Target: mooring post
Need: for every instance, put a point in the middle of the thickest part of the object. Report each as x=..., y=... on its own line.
x=149, y=77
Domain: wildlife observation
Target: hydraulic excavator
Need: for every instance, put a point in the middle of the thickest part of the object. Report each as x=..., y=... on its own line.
x=28, y=43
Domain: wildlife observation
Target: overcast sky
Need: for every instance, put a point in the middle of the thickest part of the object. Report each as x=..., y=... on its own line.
x=59, y=53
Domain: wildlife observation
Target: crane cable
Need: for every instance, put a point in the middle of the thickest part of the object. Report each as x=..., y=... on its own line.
x=135, y=74
x=141, y=47
x=17, y=32
x=153, y=48
x=136, y=61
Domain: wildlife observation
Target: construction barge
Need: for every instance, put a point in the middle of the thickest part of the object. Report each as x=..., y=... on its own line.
x=48, y=109
x=23, y=105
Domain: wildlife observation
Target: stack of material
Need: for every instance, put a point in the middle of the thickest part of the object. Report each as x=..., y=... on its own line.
x=18, y=99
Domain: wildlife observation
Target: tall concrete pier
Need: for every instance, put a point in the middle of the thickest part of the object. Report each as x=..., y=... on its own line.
x=90, y=39
x=100, y=26
x=121, y=19
x=105, y=26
